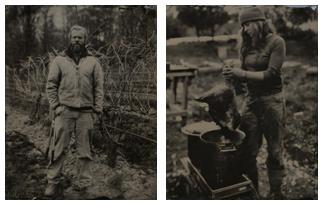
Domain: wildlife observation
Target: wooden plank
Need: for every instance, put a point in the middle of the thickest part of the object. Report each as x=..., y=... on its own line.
x=177, y=113
x=179, y=74
x=217, y=38
x=183, y=67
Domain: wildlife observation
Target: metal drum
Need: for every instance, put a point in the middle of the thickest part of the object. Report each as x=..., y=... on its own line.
x=220, y=168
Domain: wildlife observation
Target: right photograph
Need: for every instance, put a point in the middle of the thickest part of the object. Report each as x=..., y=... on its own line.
x=242, y=102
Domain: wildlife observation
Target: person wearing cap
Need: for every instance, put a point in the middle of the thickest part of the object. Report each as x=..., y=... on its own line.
x=75, y=94
x=262, y=54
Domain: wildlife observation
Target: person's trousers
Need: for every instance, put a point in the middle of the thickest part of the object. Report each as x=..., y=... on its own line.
x=67, y=123
x=264, y=116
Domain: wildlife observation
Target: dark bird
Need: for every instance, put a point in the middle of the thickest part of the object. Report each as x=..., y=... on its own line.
x=223, y=110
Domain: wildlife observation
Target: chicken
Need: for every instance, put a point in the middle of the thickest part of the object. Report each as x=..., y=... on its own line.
x=223, y=110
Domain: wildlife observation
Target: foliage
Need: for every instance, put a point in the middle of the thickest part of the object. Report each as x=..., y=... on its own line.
x=301, y=15
x=203, y=17
x=20, y=31
x=34, y=30
x=174, y=28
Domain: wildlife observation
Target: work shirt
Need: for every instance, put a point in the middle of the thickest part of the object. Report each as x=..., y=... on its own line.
x=75, y=85
x=269, y=58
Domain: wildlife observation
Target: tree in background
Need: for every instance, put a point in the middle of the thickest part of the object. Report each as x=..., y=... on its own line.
x=174, y=28
x=203, y=18
x=296, y=24
x=301, y=15
x=20, y=31
x=35, y=30
x=290, y=18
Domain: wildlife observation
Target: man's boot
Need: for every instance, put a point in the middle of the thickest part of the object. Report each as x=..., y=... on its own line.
x=51, y=190
x=84, y=179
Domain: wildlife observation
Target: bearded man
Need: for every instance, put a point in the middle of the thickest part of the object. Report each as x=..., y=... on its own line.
x=75, y=94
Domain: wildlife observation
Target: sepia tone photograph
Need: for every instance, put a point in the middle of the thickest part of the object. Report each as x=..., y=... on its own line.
x=242, y=102
x=80, y=102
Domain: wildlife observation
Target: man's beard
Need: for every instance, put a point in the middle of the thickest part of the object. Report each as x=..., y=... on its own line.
x=76, y=48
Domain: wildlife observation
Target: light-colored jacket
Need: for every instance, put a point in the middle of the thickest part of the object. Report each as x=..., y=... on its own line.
x=73, y=85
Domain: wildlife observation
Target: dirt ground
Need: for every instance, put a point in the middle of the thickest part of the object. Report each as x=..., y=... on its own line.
x=26, y=167
x=300, y=141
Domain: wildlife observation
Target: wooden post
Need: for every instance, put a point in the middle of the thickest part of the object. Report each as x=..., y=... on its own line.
x=173, y=87
x=185, y=99
x=222, y=52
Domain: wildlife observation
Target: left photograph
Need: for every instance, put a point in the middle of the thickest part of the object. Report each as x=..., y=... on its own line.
x=80, y=102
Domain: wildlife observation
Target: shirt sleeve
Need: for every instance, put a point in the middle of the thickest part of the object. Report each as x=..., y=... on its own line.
x=276, y=59
x=52, y=84
x=98, y=88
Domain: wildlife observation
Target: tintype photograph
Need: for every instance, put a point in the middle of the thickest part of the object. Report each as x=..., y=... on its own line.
x=242, y=102
x=80, y=96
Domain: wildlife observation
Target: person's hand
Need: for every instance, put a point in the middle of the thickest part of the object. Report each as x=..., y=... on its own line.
x=96, y=118
x=59, y=110
x=233, y=73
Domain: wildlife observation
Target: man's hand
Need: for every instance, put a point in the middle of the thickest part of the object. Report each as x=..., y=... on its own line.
x=59, y=110
x=96, y=117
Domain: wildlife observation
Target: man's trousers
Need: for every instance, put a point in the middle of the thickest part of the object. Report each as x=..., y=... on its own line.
x=68, y=122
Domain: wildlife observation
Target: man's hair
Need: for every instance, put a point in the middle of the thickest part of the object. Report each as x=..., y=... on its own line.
x=78, y=28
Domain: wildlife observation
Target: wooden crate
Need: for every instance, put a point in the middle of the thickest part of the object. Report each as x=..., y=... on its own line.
x=197, y=181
